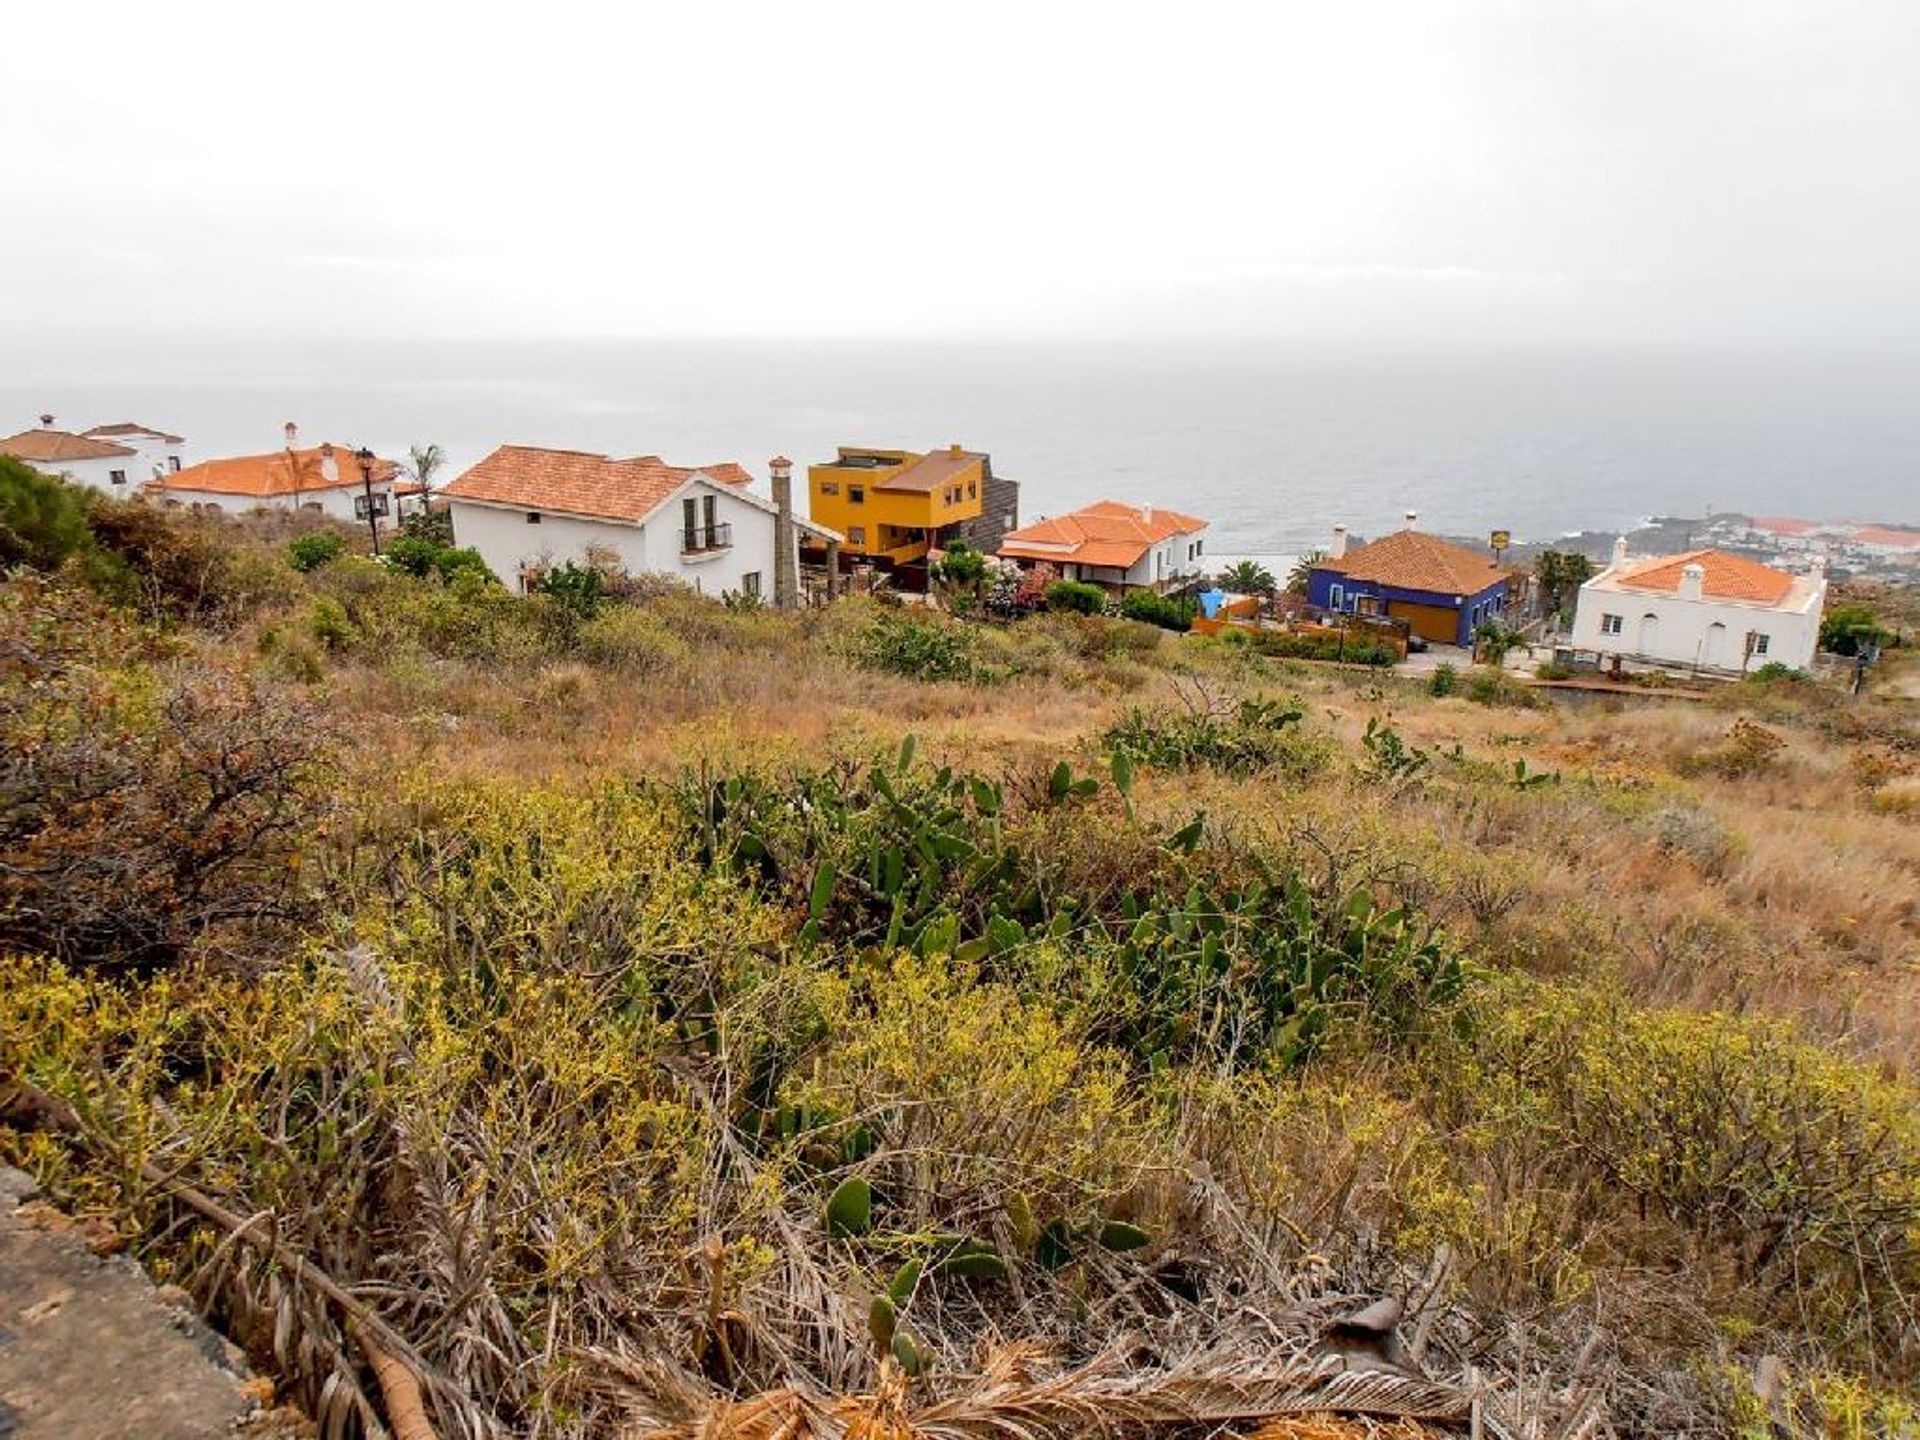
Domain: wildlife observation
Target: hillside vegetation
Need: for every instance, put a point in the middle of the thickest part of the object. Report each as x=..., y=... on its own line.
x=634, y=1005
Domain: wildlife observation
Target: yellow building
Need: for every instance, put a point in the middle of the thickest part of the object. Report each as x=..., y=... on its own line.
x=892, y=505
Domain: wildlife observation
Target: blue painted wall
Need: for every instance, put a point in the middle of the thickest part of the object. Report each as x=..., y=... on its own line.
x=1472, y=609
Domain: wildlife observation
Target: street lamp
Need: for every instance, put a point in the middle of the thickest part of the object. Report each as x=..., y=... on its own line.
x=365, y=457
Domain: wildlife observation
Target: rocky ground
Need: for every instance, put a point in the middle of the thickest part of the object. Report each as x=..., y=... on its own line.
x=90, y=1349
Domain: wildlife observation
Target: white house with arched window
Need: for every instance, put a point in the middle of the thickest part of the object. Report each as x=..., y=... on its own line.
x=1704, y=610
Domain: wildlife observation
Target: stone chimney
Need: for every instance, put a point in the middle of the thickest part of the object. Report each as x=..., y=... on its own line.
x=786, y=539
x=1693, y=581
x=1620, y=551
x=1413, y=519
x=1339, y=545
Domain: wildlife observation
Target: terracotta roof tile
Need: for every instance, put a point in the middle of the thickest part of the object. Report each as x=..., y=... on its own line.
x=1106, y=533
x=278, y=472
x=573, y=482
x=1415, y=560
x=45, y=446
x=1728, y=577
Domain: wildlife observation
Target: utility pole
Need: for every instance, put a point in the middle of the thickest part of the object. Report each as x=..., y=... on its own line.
x=366, y=458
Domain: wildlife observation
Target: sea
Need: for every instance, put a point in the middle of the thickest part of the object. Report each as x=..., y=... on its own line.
x=1273, y=445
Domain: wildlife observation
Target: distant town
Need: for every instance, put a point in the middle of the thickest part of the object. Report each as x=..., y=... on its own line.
x=1714, y=597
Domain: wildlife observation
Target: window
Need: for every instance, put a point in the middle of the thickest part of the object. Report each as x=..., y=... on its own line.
x=829, y=487
x=119, y=477
x=1199, y=547
x=750, y=584
x=533, y=517
x=1336, y=597
x=1612, y=624
x=973, y=489
x=1760, y=643
x=856, y=494
x=173, y=463
x=360, y=506
x=856, y=535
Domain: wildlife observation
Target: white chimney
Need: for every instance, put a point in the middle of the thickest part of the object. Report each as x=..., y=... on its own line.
x=1620, y=551
x=1693, y=581
x=46, y=422
x=327, y=468
x=1413, y=519
x=1146, y=514
x=292, y=432
x=1339, y=545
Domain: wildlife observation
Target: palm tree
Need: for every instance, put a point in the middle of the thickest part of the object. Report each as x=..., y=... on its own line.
x=422, y=463
x=1246, y=577
x=1302, y=571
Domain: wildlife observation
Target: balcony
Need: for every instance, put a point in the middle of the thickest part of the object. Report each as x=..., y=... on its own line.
x=705, y=540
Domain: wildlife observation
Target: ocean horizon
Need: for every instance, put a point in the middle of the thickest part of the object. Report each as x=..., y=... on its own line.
x=1272, y=445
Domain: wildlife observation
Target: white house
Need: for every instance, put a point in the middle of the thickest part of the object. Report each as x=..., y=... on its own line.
x=1120, y=547
x=1705, y=609
x=113, y=459
x=326, y=478
x=527, y=510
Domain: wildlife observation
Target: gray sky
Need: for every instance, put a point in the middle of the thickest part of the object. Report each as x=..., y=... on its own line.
x=1540, y=170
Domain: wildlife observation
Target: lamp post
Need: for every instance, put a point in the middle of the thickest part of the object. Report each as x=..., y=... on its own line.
x=365, y=457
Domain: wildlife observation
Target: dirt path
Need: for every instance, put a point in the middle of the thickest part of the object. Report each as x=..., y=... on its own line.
x=90, y=1350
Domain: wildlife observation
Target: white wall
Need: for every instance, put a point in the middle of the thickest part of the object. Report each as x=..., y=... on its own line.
x=154, y=457
x=509, y=544
x=1683, y=631
x=335, y=502
x=98, y=474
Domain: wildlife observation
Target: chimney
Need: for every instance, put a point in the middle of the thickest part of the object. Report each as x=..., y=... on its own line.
x=1339, y=545
x=1146, y=514
x=1620, y=551
x=1413, y=519
x=46, y=422
x=327, y=468
x=955, y=450
x=292, y=432
x=786, y=539
x=1693, y=581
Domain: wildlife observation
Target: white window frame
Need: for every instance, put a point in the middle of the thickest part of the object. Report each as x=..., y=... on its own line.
x=1611, y=624
x=1336, y=597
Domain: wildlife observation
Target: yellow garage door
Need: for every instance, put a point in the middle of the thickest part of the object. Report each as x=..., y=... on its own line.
x=1436, y=622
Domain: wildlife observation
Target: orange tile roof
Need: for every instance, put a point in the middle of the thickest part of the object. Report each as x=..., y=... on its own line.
x=1784, y=525
x=45, y=446
x=128, y=427
x=573, y=482
x=278, y=472
x=1415, y=560
x=930, y=472
x=1728, y=577
x=1106, y=533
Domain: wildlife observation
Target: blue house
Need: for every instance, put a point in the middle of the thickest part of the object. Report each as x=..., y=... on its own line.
x=1441, y=590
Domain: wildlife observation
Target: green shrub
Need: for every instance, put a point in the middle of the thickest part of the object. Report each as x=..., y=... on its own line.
x=1319, y=643
x=629, y=638
x=424, y=558
x=309, y=552
x=918, y=645
x=43, y=521
x=1848, y=629
x=576, y=589
x=1775, y=673
x=1251, y=738
x=1076, y=596
x=1445, y=680
x=1169, y=612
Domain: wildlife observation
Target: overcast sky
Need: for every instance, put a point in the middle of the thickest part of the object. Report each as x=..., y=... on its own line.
x=1678, y=170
